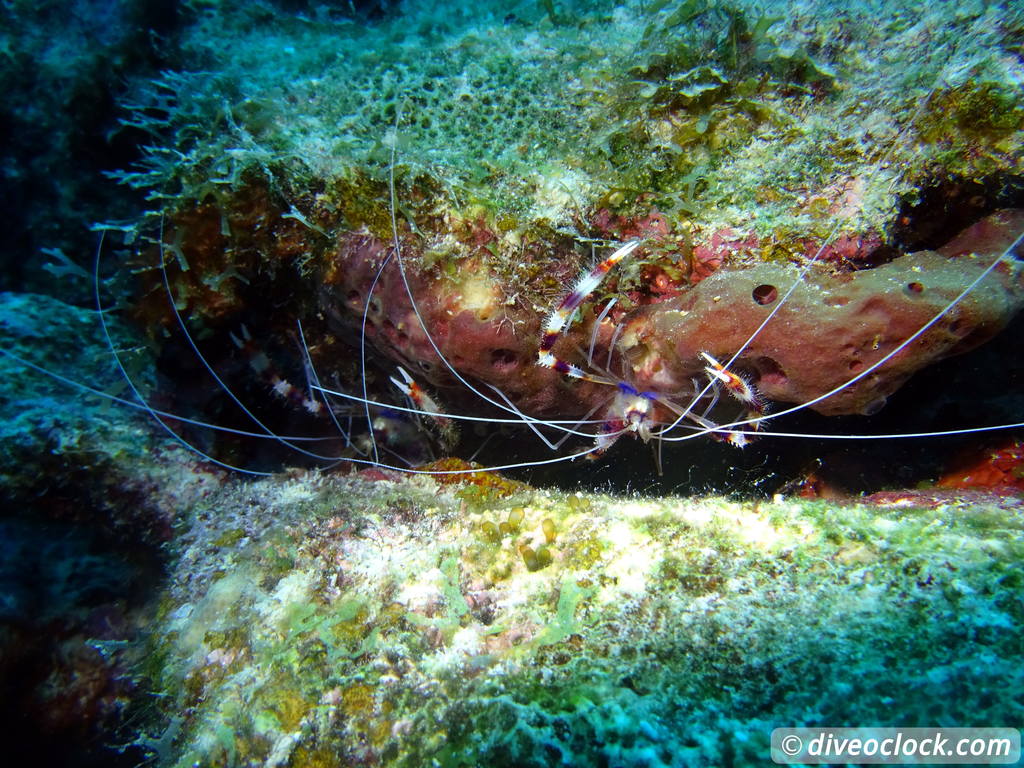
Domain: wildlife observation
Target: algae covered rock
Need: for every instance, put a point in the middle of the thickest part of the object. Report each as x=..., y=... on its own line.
x=88, y=495
x=358, y=200
x=66, y=448
x=329, y=621
x=833, y=327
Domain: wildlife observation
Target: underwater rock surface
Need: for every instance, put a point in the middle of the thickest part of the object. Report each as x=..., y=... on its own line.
x=89, y=495
x=832, y=327
x=76, y=457
x=327, y=620
x=317, y=619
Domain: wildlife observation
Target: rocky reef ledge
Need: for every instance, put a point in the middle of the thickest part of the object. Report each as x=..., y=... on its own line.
x=323, y=619
x=373, y=619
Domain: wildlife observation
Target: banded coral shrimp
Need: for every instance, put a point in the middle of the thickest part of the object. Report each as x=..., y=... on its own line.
x=255, y=228
x=631, y=406
x=594, y=429
x=590, y=431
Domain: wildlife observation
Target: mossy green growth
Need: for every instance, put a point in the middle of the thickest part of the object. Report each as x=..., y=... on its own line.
x=570, y=595
x=359, y=201
x=975, y=127
x=345, y=631
x=654, y=618
x=230, y=538
x=490, y=532
x=986, y=108
x=583, y=548
x=476, y=107
x=452, y=591
x=511, y=525
x=505, y=538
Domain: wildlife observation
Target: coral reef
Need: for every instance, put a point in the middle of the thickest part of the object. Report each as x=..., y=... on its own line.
x=1002, y=468
x=324, y=619
x=73, y=456
x=64, y=68
x=827, y=331
x=90, y=495
x=833, y=326
x=336, y=194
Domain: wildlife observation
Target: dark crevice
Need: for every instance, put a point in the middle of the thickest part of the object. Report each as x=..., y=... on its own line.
x=946, y=207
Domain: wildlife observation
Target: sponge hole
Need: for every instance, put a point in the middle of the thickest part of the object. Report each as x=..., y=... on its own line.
x=504, y=359
x=765, y=294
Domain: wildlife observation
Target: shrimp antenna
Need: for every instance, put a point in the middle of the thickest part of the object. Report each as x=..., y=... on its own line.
x=128, y=379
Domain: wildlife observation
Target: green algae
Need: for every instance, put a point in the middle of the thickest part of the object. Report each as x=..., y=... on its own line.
x=480, y=115
x=452, y=590
x=570, y=595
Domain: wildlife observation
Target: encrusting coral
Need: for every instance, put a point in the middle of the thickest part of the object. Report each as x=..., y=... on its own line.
x=336, y=197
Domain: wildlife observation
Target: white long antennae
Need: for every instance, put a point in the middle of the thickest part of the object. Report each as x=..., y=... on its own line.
x=313, y=379
x=597, y=328
x=397, y=250
x=220, y=382
x=727, y=430
x=475, y=470
x=897, y=435
x=131, y=383
x=533, y=423
x=362, y=352
x=555, y=424
x=149, y=409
